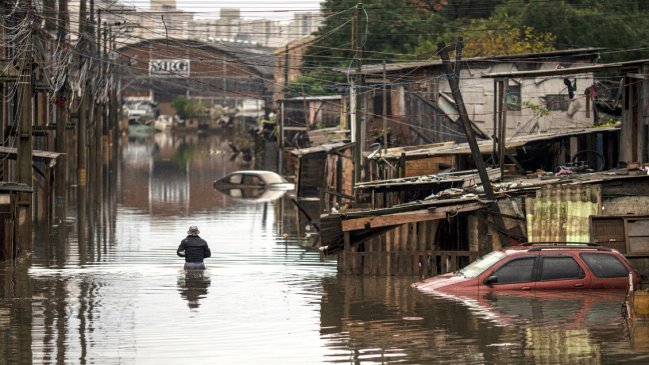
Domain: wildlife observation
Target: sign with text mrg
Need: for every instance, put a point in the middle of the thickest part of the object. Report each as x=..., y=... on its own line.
x=170, y=68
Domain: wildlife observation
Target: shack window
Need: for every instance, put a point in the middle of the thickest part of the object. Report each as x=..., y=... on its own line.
x=627, y=234
x=514, y=97
x=557, y=102
x=515, y=271
x=561, y=268
x=605, y=265
x=378, y=103
x=638, y=236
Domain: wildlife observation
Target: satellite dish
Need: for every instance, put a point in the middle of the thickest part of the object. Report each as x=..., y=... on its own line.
x=375, y=147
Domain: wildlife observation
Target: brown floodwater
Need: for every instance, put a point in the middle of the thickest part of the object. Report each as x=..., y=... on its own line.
x=266, y=297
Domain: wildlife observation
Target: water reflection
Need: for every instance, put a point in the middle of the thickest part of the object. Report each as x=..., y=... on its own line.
x=125, y=299
x=173, y=174
x=376, y=320
x=16, y=314
x=192, y=286
x=253, y=195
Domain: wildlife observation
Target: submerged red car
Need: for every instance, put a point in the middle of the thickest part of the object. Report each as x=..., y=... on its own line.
x=540, y=266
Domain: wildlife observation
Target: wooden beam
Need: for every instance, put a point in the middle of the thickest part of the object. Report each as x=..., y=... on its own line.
x=638, y=76
x=295, y=129
x=421, y=215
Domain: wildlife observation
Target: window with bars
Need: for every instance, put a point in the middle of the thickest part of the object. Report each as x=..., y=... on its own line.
x=557, y=102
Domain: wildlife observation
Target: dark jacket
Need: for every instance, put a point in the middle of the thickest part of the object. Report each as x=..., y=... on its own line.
x=193, y=249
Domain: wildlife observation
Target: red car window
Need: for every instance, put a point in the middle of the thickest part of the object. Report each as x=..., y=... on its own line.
x=605, y=265
x=518, y=270
x=561, y=268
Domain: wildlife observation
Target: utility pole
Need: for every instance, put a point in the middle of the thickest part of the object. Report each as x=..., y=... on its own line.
x=453, y=80
x=385, y=109
x=99, y=124
x=62, y=116
x=280, y=139
x=355, y=99
x=82, y=147
x=24, y=142
x=280, y=119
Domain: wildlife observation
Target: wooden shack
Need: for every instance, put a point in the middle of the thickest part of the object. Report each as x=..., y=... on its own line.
x=325, y=172
x=422, y=239
x=412, y=102
x=436, y=236
x=635, y=101
x=596, y=147
x=10, y=217
x=322, y=111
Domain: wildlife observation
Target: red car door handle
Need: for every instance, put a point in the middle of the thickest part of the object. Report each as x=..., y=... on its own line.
x=525, y=288
x=579, y=285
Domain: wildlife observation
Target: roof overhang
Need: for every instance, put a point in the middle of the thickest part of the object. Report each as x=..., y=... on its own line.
x=375, y=219
x=567, y=71
x=486, y=146
x=37, y=155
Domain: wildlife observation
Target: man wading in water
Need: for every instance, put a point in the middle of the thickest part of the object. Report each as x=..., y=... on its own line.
x=194, y=249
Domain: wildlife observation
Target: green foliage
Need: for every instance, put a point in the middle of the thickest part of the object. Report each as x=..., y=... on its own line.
x=317, y=82
x=537, y=109
x=186, y=108
x=612, y=24
x=406, y=30
x=498, y=35
x=389, y=28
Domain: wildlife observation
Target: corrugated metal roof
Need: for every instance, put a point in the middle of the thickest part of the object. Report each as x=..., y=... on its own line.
x=313, y=97
x=486, y=146
x=8, y=186
x=391, y=67
x=11, y=153
x=566, y=71
x=321, y=148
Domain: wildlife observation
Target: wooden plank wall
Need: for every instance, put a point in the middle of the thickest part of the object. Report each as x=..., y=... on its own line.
x=406, y=250
x=338, y=177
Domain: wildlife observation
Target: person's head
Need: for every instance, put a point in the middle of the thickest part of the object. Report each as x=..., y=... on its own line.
x=193, y=231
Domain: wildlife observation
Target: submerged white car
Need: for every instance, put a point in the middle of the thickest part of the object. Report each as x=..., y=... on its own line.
x=253, y=185
x=253, y=179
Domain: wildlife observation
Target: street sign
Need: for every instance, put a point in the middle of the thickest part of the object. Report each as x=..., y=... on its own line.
x=169, y=68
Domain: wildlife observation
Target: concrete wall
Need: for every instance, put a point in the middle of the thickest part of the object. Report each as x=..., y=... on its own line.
x=478, y=95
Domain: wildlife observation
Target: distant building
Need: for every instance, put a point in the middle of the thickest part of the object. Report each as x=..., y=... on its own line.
x=162, y=5
x=305, y=24
x=164, y=19
x=287, y=62
x=163, y=69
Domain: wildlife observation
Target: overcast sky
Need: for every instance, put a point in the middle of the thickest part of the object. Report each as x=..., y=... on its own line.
x=269, y=9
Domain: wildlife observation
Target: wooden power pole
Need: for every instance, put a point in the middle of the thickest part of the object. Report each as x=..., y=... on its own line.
x=355, y=102
x=82, y=147
x=453, y=80
x=24, y=142
x=62, y=115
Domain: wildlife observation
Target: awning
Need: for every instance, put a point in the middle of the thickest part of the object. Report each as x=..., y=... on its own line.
x=37, y=155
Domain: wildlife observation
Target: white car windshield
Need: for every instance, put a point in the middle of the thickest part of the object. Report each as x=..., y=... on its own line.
x=480, y=265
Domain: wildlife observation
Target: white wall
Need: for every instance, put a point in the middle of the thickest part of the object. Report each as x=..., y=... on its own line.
x=478, y=95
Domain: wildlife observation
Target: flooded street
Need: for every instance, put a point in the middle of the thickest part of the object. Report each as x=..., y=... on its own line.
x=266, y=296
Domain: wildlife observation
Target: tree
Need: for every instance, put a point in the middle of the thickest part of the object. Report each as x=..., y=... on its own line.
x=391, y=31
x=622, y=26
x=186, y=108
x=498, y=35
